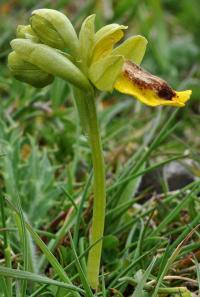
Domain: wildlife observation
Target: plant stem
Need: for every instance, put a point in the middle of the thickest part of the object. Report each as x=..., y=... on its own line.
x=88, y=115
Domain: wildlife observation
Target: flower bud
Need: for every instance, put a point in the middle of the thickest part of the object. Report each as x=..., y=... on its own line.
x=54, y=29
x=46, y=32
x=26, y=32
x=28, y=72
x=51, y=61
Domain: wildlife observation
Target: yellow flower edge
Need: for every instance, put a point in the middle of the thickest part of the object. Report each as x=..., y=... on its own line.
x=149, y=89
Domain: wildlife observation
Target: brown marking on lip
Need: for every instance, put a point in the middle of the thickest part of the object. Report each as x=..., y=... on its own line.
x=166, y=92
x=145, y=80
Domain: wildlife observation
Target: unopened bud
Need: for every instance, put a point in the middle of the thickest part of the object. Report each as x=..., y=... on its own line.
x=50, y=60
x=46, y=32
x=28, y=72
x=26, y=32
x=55, y=29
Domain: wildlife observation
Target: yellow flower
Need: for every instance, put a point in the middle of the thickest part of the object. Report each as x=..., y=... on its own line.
x=148, y=88
x=117, y=68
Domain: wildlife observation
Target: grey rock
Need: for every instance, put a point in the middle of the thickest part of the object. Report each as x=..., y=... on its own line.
x=177, y=175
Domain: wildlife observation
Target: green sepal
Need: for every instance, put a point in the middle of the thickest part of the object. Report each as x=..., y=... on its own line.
x=132, y=49
x=107, y=31
x=28, y=72
x=105, y=72
x=46, y=32
x=105, y=39
x=51, y=61
x=86, y=38
x=62, y=25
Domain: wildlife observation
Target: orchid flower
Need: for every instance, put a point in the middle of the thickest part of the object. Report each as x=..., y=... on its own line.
x=119, y=68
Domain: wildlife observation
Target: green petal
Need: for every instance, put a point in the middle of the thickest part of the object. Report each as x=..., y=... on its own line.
x=105, y=39
x=108, y=30
x=132, y=49
x=104, y=73
x=86, y=38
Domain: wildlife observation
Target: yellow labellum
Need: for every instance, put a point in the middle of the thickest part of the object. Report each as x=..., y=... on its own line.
x=148, y=88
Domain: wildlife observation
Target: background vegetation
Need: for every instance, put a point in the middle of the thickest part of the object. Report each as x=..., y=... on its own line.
x=152, y=157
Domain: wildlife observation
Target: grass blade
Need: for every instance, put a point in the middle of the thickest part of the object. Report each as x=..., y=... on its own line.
x=80, y=270
x=139, y=288
x=51, y=258
x=29, y=276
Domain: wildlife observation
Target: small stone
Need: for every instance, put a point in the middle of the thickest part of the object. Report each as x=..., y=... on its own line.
x=177, y=175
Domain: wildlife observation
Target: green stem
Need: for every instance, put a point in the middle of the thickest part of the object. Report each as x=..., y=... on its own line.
x=88, y=115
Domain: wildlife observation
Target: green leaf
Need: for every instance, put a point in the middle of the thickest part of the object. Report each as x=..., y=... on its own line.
x=25, y=275
x=168, y=263
x=4, y=286
x=51, y=258
x=20, y=221
x=104, y=73
x=110, y=242
x=139, y=288
x=197, y=272
x=80, y=270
